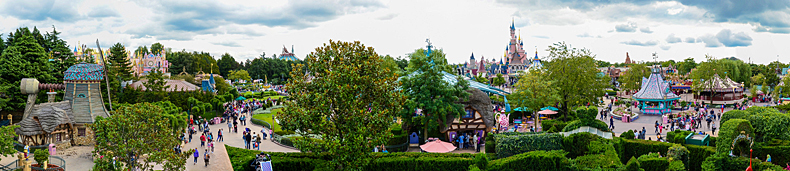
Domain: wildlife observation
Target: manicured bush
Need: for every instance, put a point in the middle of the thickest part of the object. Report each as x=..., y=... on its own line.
x=533, y=160
x=633, y=148
x=768, y=123
x=490, y=143
x=576, y=144
x=442, y=163
x=628, y=135
x=722, y=162
x=697, y=155
x=41, y=155
x=779, y=154
x=652, y=162
x=676, y=166
x=512, y=145
x=729, y=131
x=633, y=165
x=678, y=153
x=578, y=123
x=474, y=168
x=678, y=136
x=559, y=124
x=600, y=156
x=481, y=161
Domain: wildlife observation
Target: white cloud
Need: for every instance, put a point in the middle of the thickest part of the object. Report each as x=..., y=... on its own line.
x=672, y=39
x=630, y=27
x=638, y=43
x=645, y=30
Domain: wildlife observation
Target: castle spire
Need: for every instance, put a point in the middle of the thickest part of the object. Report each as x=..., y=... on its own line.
x=513, y=24
x=519, y=35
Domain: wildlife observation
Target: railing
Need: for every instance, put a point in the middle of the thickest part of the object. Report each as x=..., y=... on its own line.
x=53, y=160
x=282, y=140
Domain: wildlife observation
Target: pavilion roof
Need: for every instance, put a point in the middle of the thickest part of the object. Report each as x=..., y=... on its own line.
x=719, y=83
x=655, y=88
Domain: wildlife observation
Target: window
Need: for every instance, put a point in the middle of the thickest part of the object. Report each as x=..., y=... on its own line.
x=469, y=113
x=58, y=137
x=81, y=95
x=81, y=132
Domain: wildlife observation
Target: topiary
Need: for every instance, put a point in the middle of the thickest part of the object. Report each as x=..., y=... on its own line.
x=678, y=153
x=481, y=161
x=553, y=129
x=633, y=165
x=628, y=135
x=41, y=155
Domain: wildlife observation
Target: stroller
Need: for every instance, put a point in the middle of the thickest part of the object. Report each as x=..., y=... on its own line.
x=262, y=157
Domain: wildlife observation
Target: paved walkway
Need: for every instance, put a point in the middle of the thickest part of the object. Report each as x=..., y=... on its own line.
x=219, y=158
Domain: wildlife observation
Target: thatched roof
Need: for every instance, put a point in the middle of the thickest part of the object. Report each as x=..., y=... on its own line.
x=480, y=102
x=49, y=116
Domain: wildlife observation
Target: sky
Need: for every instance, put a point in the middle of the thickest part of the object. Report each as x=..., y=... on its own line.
x=752, y=30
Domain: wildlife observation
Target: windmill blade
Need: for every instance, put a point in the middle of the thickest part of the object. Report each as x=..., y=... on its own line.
x=106, y=77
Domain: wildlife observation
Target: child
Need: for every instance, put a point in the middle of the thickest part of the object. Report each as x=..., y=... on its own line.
x=206, y=157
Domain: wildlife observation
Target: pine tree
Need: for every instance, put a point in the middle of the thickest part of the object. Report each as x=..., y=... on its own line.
x=60, y=51
x=118, y=63
x=25, y=59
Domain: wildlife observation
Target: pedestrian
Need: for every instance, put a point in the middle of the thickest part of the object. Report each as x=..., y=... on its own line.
x=258, y=142
x=206, y=157
x=713, y=132
x=230, y=125
x=248, y=138
x=202, y=140
x=196, y=155
x=211, y=145
x=219, y=135
x=656, y=127
x=611, y=123
x=190, y=136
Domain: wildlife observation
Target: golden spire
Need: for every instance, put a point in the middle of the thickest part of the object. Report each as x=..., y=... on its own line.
x=519, y=34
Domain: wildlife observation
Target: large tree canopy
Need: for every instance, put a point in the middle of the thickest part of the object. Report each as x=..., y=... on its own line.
x=632, y=79
x=342, y=93
x=535, y=90
x=24, y=59
x=575, y=75
x=226, y=63
x=427, y=91
x=139, y=130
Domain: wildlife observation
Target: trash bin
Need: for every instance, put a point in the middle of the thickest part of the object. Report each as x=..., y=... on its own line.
x=52, y=149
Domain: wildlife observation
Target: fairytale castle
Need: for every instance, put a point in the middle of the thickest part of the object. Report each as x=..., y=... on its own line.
x=515, y=62
x=143, y=63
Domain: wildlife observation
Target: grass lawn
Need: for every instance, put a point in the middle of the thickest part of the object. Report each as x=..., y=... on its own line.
x=268, y=118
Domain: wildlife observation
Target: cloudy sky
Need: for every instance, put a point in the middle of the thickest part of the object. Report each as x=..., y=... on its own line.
x=675, y=29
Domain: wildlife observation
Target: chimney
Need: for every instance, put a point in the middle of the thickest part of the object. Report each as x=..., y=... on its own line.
x=51, y=96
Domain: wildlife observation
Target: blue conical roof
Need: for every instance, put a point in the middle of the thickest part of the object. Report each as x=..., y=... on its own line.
x=655, y=88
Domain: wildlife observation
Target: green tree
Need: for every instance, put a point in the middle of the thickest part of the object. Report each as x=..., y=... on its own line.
x=758, y=79
x=426, y=89
x=784, y=88
x=480, y=78
x=226, y=63
x=437, y=56
x=535, y=90
x=139, y=130
x=155, y=81
x=705, y=72
x=601, y=63
x=119, y=65
x=239, y=75
x=345, y=96
x=686, y=66
x=141, y=50
x=632, y=79
x=24, y=59
x=573, y=71
x=157, y=47
x=7, y=135
x=499, y=80
x=60, y=52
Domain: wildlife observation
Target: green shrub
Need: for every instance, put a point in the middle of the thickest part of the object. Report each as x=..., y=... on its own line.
x=697, y=155
x=474, y=168
x=722, y=162
x=576, y=144
x=628, y=135
x=41, y=155
x=490, y=145
x=511, y=145
x=678, y=136
x=678, y=153
x=633, y=148
x=600, y=156
x=729, y=131
x=284, y=132
x=768, y=123
x=481, y=161
x=633, y=165
x=676, y=166
x=653, y=162
x=388, y=163
x=533, y=160
x=779, y=154
x=559, y=124
x=578, y=123
x=441, y=163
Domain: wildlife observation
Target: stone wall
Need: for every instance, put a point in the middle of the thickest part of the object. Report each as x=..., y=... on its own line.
x=83, y=140
x=63, y=145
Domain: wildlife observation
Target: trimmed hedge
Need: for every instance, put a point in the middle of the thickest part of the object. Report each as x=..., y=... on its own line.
x=678, y=136
x=730, y=130
x=600, y=156
x=722, y=162
x=553, y=123
x=779, y=154
x=517, y=144
x=637, y=147
x=578, y=123
x=490, y=144
x=576, y=144
x=676, y=166
x=697, y=155
x=533, y=160
x=633, y=165
x=628, y=135
x=653, y=162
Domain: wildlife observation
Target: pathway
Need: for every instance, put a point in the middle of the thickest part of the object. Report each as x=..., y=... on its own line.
x=219, y=158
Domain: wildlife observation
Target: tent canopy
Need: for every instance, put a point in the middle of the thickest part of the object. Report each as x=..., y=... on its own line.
x=549, y=108
x=241, y=98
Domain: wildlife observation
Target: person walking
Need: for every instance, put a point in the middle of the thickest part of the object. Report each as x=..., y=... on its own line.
x=206, y=157
x=656, y=127
x=713, y=132
x=248, y=138
x=258, y=142
x=190, y=136
x=611, y=123
x=202, y=140
x=196, y=155
x=219, y=135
